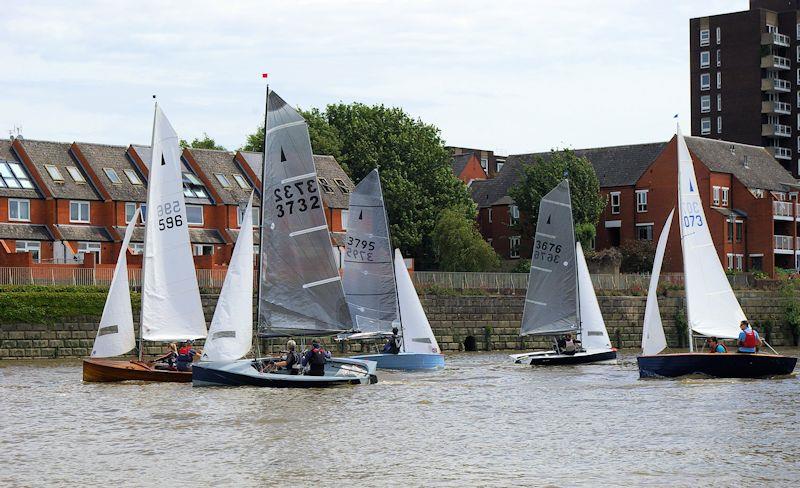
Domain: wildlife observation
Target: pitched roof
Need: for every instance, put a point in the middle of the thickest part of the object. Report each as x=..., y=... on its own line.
x=762, y=170
x=7, y=154
x=460, y=162
x=196, y=236
x=43, y=153
x=84, y=233
x=214, y=162
x=33, y=232
x=101, y=156
x=146, y=155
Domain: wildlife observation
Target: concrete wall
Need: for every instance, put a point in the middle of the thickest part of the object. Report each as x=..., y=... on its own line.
x=491, y=321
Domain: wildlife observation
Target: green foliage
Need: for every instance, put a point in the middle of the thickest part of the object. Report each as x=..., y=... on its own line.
x=459, y=246
x=255, y=141
x=205, y=143
x=543, y=175
x=52, y=304
x=760, y=275
x=681, y=326
x=791, y=310
x=523, y=266
x=637, y=256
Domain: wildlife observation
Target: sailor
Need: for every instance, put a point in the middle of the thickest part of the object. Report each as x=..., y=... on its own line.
x=392, y=345
x=715, y=346
x=748, y=338
x=167, y=360
x=315, y=358
x=186, y=355
x=570, y=345
x=291, y=361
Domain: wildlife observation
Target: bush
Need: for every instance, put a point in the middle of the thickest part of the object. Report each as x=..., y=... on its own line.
x=791, y=311
x=459, y=246
x=36, y=304
x=637, y=256
x=523, y=266
x=681, y=326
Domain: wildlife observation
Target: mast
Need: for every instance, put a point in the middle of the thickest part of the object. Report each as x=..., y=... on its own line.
x=144, y=250
x=678, y=138
x=394, y=275
x=261, y=219
x=577, y=280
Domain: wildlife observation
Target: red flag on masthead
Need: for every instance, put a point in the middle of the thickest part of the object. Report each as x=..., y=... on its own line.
x=264, y=75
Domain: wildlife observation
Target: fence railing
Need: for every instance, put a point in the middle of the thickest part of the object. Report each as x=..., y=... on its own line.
x=57, y=275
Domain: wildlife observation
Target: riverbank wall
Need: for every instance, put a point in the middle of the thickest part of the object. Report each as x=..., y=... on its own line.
x=460, y=323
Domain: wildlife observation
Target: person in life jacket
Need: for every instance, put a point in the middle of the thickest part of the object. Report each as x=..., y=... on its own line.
x=315, y=358
x=186, y=355
x=715, y=346
x=749, y=340
x=568, y=345
x=392, y=345
x=167, y=360
x=291, y=361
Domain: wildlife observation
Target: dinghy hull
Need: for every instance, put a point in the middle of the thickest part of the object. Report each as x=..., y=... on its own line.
x=408, y=361
x=97, y=370
x=731, y=365
x=550, y=358
x=338, y=372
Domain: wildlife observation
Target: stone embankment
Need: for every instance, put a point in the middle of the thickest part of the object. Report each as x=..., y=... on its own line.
x=477, y=323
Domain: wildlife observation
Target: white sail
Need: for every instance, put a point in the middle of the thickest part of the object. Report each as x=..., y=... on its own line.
x=230, y=336
x=171, y=308
x=594, y=335
x=711, y=307
x=653, y=339
x=417, y=334
x=115, y=334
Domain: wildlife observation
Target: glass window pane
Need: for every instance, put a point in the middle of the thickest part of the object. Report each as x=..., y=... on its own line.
x=75, y=174
x=194, y=214
x=5, y=170
x=26, y=183
x=18, y=171
x=133, y=177
x=112, y=175
x=12, y=183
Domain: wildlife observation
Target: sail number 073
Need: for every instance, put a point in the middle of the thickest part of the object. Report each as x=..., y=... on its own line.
x=296, y=197
x=692, y=216
x=169, y=215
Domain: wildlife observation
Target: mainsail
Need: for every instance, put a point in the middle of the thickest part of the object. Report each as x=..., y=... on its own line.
x=653, y=339
x=712, y=308
x=115, y=335
x=417, y=334
x=594, y=335
x=369, y=282
x=300, y=291
x=551, y=302
x=171, y=307
x=230, y=336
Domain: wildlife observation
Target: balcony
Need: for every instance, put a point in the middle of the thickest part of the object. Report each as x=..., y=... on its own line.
x=775, y=85
x=781, y=152
x=781, y=108
x=782, y=210
x=774, y=39
x=775, y=130
x=775, y=62
x=783, y=245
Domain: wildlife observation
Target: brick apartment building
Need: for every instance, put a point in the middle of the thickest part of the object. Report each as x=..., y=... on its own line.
x=62, y=201
x=467, y=168
x=490, y=163
x=749, y=200
x=745, y=78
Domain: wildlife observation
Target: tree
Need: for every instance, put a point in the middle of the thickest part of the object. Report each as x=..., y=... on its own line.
x=205, y=143
x=324, y=139
x=459, y=246
x=541, y=176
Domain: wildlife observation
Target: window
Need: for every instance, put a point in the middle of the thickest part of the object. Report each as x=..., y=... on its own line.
x=719, y=80
x=798, y=53
x=345, y=218
x=705, y=125
x=641, y=201
x=112, y=175
x=798, y=31
x=90, y=247
x=705, y=81
x=326, y=187
x=644, y=232
x=719, y=102
x=719, y=58
x=490, y=210
x=719, y=124
x=724, y=196
x=202, y=249
x=513, y=243
x=256, y=216
x=485, y=164
x=500, y=166
x=739, y=231
x=730, y=261
x=719, y=35
x=715, y=193
x=143, y=215
x=772, y=29
x=76, y=174
x=243, y=184
x=705, y=103
x=705, y=36
x=194, y=214
x=136, y=247
x=739, y=259
x=33, y=247
x=223, y=180
x=19, y=210
x=130, y=209
x=192, y=178
x=54, y=172
x=615, y=197
x=79, y=212
x=513, y=210
x=132, y=176
x=342, y=186
x=705, y=59
x=730, y=231
x=13, y=176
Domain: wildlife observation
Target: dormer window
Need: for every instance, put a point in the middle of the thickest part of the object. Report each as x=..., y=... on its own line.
x=112, y=175
x=54, y=172
x=342, y=186
x=76, y=174
x=223, y=180
x=326, y=187
x=133, y=177
x=13, y=176
x=241, y=182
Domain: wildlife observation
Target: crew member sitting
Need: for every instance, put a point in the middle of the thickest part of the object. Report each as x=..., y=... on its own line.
x=392, y=345
x=186, y=355
x=292, y=359
x=748, y=338
x=715, y=346
x=315, y=358
x=570, y=346
x=167, y=360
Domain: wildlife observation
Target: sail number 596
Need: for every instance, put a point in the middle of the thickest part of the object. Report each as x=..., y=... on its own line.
x=169, y=215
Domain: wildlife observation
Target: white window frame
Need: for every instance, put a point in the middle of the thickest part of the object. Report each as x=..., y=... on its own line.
x=136, y=247
x=326, y=186
x=485, y=164
x=490, y=208
x=19, y=203
x=719, y=58
x=85, y=247
x=256, y=214
x=76, y=174
x=33, y=247
x=739, y=261
x=132, y=176
x=79, y=205
x=111, y=171
x=719, y=124
x=241, y=181
x=223, y=180
x=641, y=201
x=345, y=218
x=514, y=243
x=513, y=212
x=197, y=249
x=705, y=37
x=202, y=217
x=724, y=192
x=705, y=104
x=719, y=35
x=719, y=80
x=715, y=192
x=719, y=102
x=650, y=232
x=798, y=32
x=705, y=125
x=499, y=166
x=705, y=81
x=730, y=261
x=342, y=185
x=54, y=172
x=615, y=207
x=705, y=59
x=130, y=207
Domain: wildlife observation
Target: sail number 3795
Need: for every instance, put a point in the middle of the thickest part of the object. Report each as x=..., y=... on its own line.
x=296, y=197
x=169, y=215
x=546, y=251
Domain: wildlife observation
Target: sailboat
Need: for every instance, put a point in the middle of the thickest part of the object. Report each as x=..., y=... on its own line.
x=712, y=309
x=171, y=307
x=560, y=298
x=300, y=290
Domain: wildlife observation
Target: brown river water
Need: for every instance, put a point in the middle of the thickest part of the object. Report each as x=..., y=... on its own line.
x=483, y=421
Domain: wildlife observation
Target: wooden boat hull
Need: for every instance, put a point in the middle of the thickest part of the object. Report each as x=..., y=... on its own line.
x=96, y=370
x=338, y=372
x=550, y=358
x=407, y=361
x=729, y=365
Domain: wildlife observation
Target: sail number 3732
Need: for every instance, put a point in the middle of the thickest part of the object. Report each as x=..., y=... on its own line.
x=546, y=251
x=692, y=216
x=296, y=197
x=169, y=215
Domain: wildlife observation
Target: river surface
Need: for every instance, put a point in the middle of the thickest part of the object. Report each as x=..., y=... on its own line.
x=483, y=421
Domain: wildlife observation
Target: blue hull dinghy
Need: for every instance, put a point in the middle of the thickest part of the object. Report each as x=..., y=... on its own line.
x=408, y=361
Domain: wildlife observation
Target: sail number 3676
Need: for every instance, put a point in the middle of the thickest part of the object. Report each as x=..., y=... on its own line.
x=296, y=197
x=546, y=251
x=169, y=215
x=691, y=215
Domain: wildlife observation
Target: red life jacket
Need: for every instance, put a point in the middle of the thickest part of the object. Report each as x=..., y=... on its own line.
x=750, y=338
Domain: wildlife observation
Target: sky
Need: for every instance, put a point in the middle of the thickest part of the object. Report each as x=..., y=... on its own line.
x=510, y=76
